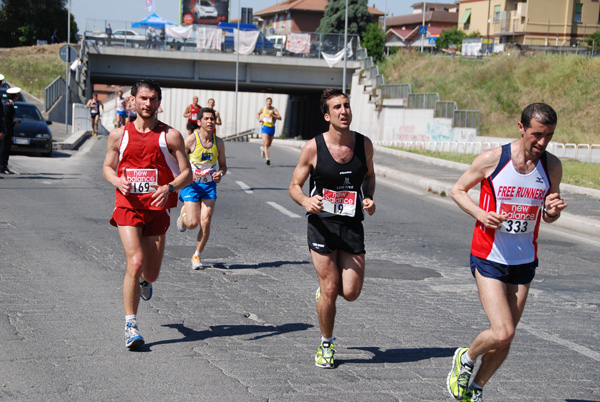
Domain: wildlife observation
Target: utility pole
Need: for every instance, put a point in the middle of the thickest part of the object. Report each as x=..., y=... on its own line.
x=68, y=76
x=345, y=47
x=424, y=33
x=487, y=49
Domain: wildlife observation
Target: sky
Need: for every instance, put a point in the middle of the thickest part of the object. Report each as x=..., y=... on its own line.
x=135, y=10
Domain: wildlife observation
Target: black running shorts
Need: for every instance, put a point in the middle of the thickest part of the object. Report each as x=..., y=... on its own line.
x=325, y=236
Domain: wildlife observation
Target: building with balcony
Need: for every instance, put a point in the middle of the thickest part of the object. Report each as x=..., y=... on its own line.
x=531, y=22
x=297, y=16
x=403, y=30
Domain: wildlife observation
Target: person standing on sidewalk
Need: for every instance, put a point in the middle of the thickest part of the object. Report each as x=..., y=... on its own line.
x=267, y=117
x=205, y=150
x=152, y=166
x=9, y=128
x=342, y=182
x=519, y=186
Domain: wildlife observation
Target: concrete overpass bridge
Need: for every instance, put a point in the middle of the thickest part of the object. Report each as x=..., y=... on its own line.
x=301, y=78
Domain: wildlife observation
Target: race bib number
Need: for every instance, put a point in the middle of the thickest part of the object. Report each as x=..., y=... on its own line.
x=142, y=180
x=339, y=202
x=267, y=118
x=203, y=174
x=521, y=218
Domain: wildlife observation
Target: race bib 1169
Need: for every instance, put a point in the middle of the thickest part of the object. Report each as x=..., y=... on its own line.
x=142, y=180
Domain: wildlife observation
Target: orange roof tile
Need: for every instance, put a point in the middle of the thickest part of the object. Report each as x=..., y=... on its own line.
x=304, y=5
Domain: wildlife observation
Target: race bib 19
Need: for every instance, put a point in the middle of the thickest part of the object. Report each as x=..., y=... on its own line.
x=521, y=219
x=142, y=180
x=203, y=174
x=339, y=202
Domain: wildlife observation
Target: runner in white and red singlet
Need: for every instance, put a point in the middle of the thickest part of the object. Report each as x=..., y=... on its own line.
x=519, y=187
x=152, y=166
x=342, y=182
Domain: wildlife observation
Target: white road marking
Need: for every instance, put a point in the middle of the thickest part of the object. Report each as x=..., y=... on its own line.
x=283, y=210
x=245, y=188
x=568, y=344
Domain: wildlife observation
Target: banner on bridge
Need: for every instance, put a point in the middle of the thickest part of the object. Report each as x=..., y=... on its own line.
x=209, y=12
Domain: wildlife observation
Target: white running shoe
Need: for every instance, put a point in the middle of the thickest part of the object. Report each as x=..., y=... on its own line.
x=196, y=263
x=180, y=225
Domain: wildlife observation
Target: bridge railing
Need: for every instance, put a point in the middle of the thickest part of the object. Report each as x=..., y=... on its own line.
x=53, y=92
x=318, y=43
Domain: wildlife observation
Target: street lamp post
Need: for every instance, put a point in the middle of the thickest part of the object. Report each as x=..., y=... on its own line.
x=424, y=33
x=345, y=47
x=67, y=75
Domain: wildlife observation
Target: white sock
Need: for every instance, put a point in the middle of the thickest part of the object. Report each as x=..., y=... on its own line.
x=131, y=318
x=197, y=254
x=330, y=340
x=465, y=359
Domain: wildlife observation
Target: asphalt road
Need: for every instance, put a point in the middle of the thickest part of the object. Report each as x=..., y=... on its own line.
x=245, y=329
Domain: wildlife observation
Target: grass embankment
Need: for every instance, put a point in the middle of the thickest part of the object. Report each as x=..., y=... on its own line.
x=501, y=86
x=574, y=172
x=32, y=68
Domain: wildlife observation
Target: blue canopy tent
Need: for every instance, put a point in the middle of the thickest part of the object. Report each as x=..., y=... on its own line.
x=152, y=21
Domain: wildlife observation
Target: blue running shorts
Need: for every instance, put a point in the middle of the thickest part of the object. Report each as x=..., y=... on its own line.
x=268, y=130
x=196, y=191
x=521, y=274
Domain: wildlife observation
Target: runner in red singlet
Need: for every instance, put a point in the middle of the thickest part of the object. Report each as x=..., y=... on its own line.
x=519, y=186
x=191, y=113
x=152, y=166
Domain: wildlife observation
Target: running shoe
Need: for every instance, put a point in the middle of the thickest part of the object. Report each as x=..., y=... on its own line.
x=473, y=395
x=262, y=152
x=458, y=378
x=133, y=339
x=324, y=357
x=318, y=294
x=145, y=290
x=268, y=161
x=196, y=264
x=180, y=225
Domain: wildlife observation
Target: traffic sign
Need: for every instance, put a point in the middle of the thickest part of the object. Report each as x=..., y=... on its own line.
x=68, y=53
x=422, y=29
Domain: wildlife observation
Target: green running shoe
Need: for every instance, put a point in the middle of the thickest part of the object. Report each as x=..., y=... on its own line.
x=458, y=378
x=324, y=357
x=318, y=293
x=473, y=395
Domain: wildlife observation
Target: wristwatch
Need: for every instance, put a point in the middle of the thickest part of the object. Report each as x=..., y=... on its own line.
x=171, y=188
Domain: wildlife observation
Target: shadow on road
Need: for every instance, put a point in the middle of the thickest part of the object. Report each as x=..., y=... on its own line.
x=261, y=331
x=272, y=264
x=399, y=355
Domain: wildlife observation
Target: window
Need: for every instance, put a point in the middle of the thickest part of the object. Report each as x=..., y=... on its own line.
x=466, y=19
x=497, y=13
x=577, y=15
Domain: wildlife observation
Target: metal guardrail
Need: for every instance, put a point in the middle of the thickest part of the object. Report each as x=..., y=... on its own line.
x=53, y=92
x=426, y=100
x=445, y=109
x=395, y=91
x=241, y=136
x=467, y=119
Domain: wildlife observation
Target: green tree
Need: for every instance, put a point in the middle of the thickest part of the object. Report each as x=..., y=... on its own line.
x=374, y=41
x=333, y=18
x=454, y=36
x=24, y=22
x=593, y=40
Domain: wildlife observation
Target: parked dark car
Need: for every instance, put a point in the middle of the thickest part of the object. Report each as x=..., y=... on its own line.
x=32, y=135
x=4, y=97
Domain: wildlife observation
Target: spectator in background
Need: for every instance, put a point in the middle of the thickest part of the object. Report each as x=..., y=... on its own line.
x=9, y=122
x=109, y=33
x=162, y=37
x=54, y=38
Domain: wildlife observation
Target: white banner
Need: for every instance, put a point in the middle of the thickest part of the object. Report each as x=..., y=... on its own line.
x=247, y=40
x=150, y=6
x=209, y=38
x=333, y=59
x=298, y=43
x=179, y=31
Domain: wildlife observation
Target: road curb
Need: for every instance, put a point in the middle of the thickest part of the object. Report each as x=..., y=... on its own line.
x=74, y=141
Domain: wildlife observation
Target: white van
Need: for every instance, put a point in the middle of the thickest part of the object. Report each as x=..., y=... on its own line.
x=278, y=42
